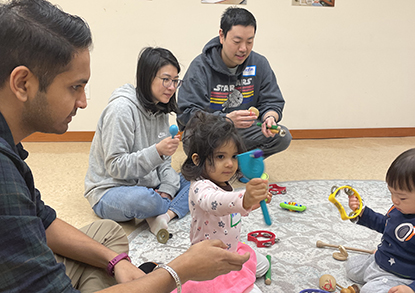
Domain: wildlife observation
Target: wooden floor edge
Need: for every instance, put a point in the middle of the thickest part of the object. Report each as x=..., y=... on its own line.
x=70, y=136
x=352, y=133
x=87, y=136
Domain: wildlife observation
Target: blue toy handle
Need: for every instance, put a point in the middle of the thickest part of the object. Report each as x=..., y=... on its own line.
x=173, y=130
x=265, y=212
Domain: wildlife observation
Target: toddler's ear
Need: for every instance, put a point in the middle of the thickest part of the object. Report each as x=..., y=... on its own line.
x=195, y=159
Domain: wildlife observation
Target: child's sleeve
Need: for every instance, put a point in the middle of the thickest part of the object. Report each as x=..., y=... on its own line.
x=372, y=220
x=212, y=199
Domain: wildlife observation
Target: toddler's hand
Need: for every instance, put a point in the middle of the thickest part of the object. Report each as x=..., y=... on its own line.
x=354, y=203
x=168, y=146
x=256, y=190
x=401, y=289
x=267, y=200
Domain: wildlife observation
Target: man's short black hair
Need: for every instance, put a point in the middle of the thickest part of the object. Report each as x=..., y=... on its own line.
x=40, y=36
x=236, y=16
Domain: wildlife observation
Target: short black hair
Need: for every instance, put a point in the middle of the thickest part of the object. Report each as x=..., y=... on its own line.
x=236, y=16
x=206, y=132
x=401, y=173
x=150, y=60
x=40, y=36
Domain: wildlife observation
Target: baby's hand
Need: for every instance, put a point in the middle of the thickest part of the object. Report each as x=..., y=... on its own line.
x=400, y=289
x=354, y=203
x=256, y=190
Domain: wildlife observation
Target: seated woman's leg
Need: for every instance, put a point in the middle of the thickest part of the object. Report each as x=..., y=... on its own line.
x=180, y=203
x=128, y=202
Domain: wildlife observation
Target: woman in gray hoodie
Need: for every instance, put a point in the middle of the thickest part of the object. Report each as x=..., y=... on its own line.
x=130, y=173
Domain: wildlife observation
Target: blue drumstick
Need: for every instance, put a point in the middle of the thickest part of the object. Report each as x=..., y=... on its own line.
x=265, y=212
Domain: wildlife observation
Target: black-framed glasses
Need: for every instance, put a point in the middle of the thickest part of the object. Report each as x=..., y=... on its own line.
x=167, y=82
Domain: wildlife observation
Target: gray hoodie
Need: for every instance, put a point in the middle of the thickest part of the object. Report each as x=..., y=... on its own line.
x=123, y=151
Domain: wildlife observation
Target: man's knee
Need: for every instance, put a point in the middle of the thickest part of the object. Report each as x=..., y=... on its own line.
x=107, y=232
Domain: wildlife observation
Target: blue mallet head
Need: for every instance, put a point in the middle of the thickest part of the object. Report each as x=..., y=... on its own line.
x=251, y=163
x=173, y=130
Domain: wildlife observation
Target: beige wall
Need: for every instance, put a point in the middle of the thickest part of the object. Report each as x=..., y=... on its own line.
x=352, y=66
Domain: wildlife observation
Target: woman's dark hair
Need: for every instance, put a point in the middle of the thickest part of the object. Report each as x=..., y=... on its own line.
x=236, y=16
x=206, y=132
x=149, y=63
x=40, y=36
x=401, y=173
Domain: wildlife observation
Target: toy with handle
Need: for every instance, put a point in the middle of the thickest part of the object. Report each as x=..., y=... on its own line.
x=173, y=130
x=350, y=192
x=268, y=273
x=252, y=166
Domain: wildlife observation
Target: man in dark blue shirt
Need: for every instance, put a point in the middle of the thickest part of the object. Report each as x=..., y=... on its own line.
x=44, y=67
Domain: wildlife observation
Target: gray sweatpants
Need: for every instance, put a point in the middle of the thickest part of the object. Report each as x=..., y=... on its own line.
x=362, y=269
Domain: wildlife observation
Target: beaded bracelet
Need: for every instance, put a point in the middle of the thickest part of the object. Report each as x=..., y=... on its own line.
x=173, y=274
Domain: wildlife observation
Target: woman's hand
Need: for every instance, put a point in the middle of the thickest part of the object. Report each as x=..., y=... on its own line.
x=163, y=194
x=168, y=146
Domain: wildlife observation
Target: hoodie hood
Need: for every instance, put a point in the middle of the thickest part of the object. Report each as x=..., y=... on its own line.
x=211, y=54
x=126, y=92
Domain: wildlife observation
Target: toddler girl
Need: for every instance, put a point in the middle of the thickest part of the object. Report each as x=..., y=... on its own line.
x=215, y=208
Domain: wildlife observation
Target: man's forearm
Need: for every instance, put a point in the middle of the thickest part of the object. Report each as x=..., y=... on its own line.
x=69, y=242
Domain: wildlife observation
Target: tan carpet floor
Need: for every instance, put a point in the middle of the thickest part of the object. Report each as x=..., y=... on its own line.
x=59, y=168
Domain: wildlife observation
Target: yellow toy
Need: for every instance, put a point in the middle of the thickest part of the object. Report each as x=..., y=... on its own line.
x=350, y=192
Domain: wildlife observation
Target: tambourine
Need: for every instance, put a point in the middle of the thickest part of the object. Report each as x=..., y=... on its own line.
x=253, y=236
x=349, y=191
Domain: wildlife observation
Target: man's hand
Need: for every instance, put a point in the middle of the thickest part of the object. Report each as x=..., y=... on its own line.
x=124, y=271
x=168, y=146
x=267, y=124
x=242, y=118
x=206, y=260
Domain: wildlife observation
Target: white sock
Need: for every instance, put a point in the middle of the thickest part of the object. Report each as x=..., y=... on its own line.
x=157, y=223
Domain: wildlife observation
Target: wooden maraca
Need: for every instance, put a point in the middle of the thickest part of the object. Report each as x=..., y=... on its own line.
x=328, y=282
x=351, y=289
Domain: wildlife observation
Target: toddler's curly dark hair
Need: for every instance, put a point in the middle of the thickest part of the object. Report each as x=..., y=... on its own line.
x=206, y=132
